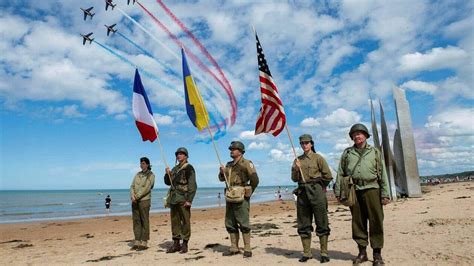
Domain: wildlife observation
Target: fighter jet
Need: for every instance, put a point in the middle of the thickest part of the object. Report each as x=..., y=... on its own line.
x=111, y=28
x=128, y=2
x=87, y=37
x=87, y=12
x=109, y=3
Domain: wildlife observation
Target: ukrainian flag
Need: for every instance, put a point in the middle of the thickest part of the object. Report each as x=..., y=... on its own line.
x=194, y=104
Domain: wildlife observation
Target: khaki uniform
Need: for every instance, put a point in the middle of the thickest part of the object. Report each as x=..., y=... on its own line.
x=240, y=173
x=184, y=183
x=311, y=199
x=371, y=184
x=140, y=189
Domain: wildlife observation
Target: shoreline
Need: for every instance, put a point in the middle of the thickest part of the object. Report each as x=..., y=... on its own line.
x=437, y=228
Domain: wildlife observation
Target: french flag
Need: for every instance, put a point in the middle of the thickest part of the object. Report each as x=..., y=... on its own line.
x=142, y=111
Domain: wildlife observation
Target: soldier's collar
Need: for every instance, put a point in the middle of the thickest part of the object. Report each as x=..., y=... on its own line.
x=238, y=160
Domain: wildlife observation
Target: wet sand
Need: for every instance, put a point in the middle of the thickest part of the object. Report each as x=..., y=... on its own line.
x=437, y=228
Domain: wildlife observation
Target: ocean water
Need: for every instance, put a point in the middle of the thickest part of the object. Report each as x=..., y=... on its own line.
x=44, y=205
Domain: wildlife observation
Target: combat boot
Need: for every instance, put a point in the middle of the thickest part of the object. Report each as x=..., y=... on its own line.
x=175, y=247
x=323, y=242
x=234, y=245
x=306, y=241
x=184, y=247
x=142, y=246
x=247, y=248
x=378, y=257
x=136, y=244
x=362, y=257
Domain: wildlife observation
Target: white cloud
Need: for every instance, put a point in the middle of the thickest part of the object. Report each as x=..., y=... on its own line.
x=310, y=122
x=72, y=111
x=455, y=122
x=258, y=145
x=422, y=86
x=341, y=118
x=250, y=135
x=163, y=119
x=436, y=58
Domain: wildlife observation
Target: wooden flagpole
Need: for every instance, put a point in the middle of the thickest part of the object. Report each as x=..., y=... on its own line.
x=163, y=157
x=294, y=151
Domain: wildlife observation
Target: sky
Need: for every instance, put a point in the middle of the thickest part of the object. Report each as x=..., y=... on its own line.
x=66, y=118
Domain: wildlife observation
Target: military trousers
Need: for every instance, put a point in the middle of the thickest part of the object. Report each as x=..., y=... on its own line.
x=312, y=202
x=141, y=219
x=368, y=208
x=237, y=217
x=180, y=221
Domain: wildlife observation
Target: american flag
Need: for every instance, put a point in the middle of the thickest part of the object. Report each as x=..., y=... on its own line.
x=272, y=117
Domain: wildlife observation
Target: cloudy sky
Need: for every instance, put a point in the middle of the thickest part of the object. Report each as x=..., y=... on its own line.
x=66, y=119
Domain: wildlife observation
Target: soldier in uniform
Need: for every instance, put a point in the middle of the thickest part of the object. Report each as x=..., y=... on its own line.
x=240, y=172
x=140, y=194
x=181, y=197
x=311, y=197
x=364, y=163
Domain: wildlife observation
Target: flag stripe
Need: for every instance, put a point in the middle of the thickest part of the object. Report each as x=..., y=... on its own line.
x=272, y=117
x=142, y=111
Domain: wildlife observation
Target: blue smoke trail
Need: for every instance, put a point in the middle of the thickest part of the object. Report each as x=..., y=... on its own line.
x=168, y=69
x=220, y=133
x=144, y=72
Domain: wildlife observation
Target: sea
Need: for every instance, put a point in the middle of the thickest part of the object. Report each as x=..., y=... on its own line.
x=18, y=206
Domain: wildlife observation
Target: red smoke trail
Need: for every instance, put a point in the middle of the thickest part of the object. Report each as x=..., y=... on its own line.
x=193, y=57
x=196, y=41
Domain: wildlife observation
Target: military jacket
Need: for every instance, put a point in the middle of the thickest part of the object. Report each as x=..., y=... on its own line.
x=241, y=173
x=314, y=168
x=184, y=183
x=142, y=185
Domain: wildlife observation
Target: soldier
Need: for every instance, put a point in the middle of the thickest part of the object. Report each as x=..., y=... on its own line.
x=240, y=172
x=180, y=198
x=364, y=163
x=140, y=194
x=311, y=197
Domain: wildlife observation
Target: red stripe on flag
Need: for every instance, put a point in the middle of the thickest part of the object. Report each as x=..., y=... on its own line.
x=148, y=132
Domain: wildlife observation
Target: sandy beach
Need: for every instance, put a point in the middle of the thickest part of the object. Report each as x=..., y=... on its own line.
x=436, y=229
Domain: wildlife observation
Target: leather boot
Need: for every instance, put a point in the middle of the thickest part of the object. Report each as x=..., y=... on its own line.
x=136, y=244
x=184, y=247
x=378, y=257
x=306, y=241
x=362, y=257
x=175, y=247
x=142, y=246
x=323, y=242
x=234, y=245
x=247, y=248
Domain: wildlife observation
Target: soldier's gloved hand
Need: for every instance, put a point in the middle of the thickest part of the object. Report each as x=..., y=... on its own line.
x=385, y=201
x=187, y=204
x=222, y=168
x=167, y=170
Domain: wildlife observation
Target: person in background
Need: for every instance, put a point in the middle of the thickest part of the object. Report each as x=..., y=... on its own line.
x=108, y=201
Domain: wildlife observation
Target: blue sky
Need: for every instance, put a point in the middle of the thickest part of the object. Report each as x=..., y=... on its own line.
x=65, y=114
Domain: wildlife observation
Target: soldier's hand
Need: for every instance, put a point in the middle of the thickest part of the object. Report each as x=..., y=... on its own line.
x=168, y=171
x=187, y=204
x=222, y=168
x=385, y=201
x=298, y=163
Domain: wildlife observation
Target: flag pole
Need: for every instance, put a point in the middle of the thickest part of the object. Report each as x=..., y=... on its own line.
x=201, y=101
x=164, y=158
x=294, y=151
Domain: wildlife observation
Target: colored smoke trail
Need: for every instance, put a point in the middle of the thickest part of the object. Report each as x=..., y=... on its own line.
x=125, y=60
x=166, y=66
x=196, y=60
x=167, y=48
x=214, y=125
x=202, y=48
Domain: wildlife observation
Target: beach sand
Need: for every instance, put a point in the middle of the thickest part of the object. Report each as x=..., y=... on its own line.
x=437, y=228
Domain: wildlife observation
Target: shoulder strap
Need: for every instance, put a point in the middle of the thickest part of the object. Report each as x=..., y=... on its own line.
x=355, y=166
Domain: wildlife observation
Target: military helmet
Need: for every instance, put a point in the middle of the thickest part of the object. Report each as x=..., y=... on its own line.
x=359, y=127
x=237, y=145
x=306, y=137
x=181, y=150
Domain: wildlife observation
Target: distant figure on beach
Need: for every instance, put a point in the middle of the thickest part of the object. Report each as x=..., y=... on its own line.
x=182, y=179
x=108, y=201
x=219, y=199
x=311, y=198
x=140, y=194
x=364, y=164
x=243, y=180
